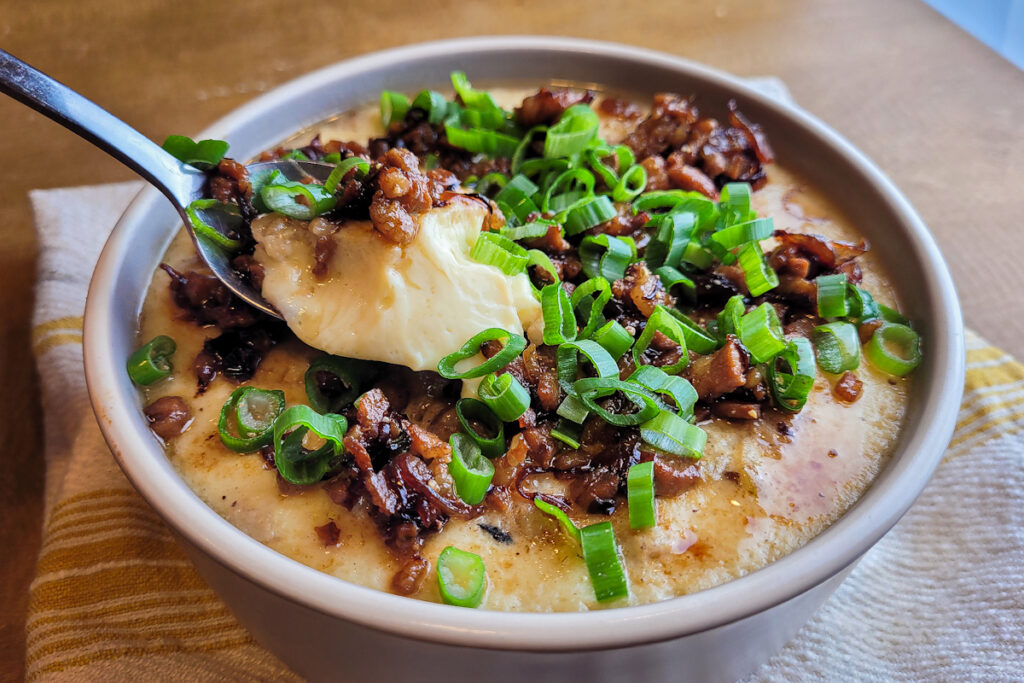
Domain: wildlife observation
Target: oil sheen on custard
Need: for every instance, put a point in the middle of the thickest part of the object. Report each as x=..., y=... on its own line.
x=766, y=489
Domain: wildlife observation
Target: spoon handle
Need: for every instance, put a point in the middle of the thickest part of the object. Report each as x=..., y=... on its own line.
x=81, y=116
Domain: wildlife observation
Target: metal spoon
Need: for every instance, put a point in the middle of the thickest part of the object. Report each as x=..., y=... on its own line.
x=180, y=182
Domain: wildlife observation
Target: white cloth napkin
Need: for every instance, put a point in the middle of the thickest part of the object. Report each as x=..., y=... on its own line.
x=941, y=597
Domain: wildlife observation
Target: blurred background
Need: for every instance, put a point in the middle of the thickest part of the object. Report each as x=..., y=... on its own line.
x=937, y=109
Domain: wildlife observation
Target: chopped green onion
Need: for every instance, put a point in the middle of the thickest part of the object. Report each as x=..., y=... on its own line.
x=761, y=333
x=576, y=182
x=567, y=360
x=332, y=158
x=559, y=320
x=601, y=555
x=742, y=233
x=200, y=214
x=831, y=295
x=679, y=201
x=615, y=339
x=559, y=514
x=697, y=338
x=152, y=361
x=204, y=154
x=697, y=256
x=514, y=345
x=481, y=141
x=837, y=347
x=586, y=215
x=673, y=434
x=504, y=395
x=525, y=146
x=496, y=250
x=573, y=409
x=605, y=255
x=568, y=433
x=254, y=411
x=791, y=387
x=470, y=470
x=575, y=128
x=478, y=100
x=393, y=107
x=899, y=361
x=640, y=496
x=729, y=317
x=734, y=204
x=759, y=275
x=624, y=157
x=471, y=409
x=631, y=184
x=517, y=195
x=860, y=305
x=669, y=243
x=262, y=178
x=461, y=577
x=304, y=468
x=433, y=103
x=342, y=169
x=663, y=321
x=589, y=299
x=892, y=316
x=298, y=200
x=682, y=393
x=352, y=375
x=670, y=277
x=592, y=388
x=529, y=231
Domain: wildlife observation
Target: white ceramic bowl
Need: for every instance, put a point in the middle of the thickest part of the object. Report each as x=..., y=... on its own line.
x=328, y=629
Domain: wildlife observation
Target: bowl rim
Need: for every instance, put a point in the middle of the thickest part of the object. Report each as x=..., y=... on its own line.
x=827, y=554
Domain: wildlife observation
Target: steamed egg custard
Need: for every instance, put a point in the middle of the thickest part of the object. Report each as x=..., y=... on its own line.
x=409, y=305
x=541, y=351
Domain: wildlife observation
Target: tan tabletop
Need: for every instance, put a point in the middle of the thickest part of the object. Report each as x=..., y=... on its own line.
x=938, y=111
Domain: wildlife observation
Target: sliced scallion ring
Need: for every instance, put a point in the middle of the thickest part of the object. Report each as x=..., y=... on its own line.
x=343, y=168
x=791, y=386
x=605, y=256
x=837, y=347
x=470, y=470
x=470, y=411
x=563, y=519
x=590, y=389
x=204, y=154
x=461, y=577
x=393, y=107
x=615, y=338
x=253, y=412
x=672, y=434
x=298, y=200
x=601, y=555
x=514, y=345
x=631, y=184
x=504, y=395
x=832, y=290
x=152, y=361
x=201, y=214
x=496, y=250
x=760, y=276
x=640, y=496
x=575, y=128
x=663, y=321
x=894, y=348
x=682, y=393
x=293, y=463
x=761, y=333
x=559, y=320
x=568, y=361
x=589, y=299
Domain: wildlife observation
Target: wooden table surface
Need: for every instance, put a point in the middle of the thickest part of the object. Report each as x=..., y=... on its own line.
x=938, y=111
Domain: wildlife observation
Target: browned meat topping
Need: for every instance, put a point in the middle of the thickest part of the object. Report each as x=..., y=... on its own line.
x=737, y=410
x=168, y=416
x=720, y=373
x=547, y=105
x=404, y=192
x=673, y=476
x=620, y=108
x=848, y=388
x=409, y=579
x=206, y=300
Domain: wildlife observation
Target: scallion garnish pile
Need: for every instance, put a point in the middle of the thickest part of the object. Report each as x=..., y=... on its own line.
x=615, y=361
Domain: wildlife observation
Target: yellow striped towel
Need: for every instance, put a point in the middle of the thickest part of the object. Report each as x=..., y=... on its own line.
x=114, y=599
